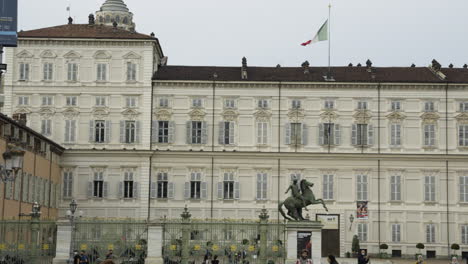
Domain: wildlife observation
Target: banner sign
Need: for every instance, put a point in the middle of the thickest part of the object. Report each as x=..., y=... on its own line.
x=329, y=221
x=362, y=210
x=8, y=23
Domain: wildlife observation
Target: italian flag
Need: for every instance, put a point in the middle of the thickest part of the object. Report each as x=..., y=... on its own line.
x=321, y=35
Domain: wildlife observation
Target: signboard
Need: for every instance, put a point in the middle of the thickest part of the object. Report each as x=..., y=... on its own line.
x=329, y=221
x=8, y=23
x=303, y=242
x=362, y=212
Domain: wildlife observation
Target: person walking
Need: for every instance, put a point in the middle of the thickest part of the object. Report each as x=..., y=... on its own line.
x=331, y=259
x=304, y=259
x=76, y=257
x=83, y=258
x=454, y=261
x=110, y=254
x=363, y=258
x=215, y=260
x=420, y=260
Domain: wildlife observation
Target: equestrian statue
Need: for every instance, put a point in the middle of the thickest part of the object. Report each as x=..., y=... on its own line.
x=301, y=197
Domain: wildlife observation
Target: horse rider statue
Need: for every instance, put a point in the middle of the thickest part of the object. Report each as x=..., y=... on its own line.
x=296, y=192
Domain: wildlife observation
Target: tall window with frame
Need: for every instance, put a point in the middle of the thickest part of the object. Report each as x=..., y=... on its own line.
x=131, y=71
x=296, y=104
x=98, y=185
x=226, y=132
x=24, y=71
x=129, y=185
x=463, y=135
x=70, y=131
x=196, y=132
x=72, y=72
x=396, y=232
x=395, y=188
x=362, y=231
x=162, y=185
x=67, y=184
x=429, y=188
x=329, y=134
x=362, y=134
x=362, y=187
x=48, y=70
x=296, y=134
x=163, y=131
x=71, y=101
x=328, y=193
x=23, y=100
x=463, y=189
x=395, y=134
x=464, y=234
x=129, y=131
x=100, y=131
x=195, y=185
x=47, y=100
x=262, y=133
x=262, y=104
x=430, y=233
x=262, y=185
x=46, y=127
x=429, y=135
x=228, y=185
x=101, y=72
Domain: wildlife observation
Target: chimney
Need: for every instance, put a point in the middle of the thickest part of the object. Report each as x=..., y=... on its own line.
x=70, y=20
x=305, y=66
x=244, y=69
x=91, y=19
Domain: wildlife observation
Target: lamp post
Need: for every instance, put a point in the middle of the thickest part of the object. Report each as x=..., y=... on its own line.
x=72, y=217
x=13, y=159
x=351, y=220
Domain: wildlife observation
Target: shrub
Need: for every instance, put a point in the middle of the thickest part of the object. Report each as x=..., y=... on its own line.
x=455, y=246
x=355, y=245
x=383, y=246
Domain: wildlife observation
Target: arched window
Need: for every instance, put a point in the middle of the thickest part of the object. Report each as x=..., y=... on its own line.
x=117, y=19
x=125, y=20
x=101, y=19
x=108, y=19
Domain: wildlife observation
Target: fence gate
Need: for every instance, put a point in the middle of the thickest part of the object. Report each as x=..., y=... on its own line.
x=23, y=241
x=127, y=240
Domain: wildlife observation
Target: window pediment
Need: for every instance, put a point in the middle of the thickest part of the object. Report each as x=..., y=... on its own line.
x=296, y=115
x=430, y=117
x=362, y=116
x=24, y=54
x=230, y=115
x=262, y=115
x=71, y=112
x=163, y=115
x=72, y=55
x=130, y=113
x=46, y=112
x=48, y=54
x=462, y=118
x=328, y=116
x=22, y=110
x=197, y=115
x=101, y=54
x=132, y=56
x=100, y=112
x=396, y=117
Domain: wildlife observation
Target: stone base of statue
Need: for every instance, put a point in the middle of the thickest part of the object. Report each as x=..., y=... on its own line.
x=297, y=231
x=155, y=244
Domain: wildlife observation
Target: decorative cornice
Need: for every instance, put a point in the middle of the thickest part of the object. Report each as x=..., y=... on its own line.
x=197, y=115
x=71, y=112
x=23, y=110
x=362, y=116
x=100, y=111
x=262, y=115
x=46, y=112
x=296, y=115
x=396, y=117
x=462, y=118
x=230, y=115
x=24, y=54
x=130, y=113
x=430, y=117
x=162, y=114
x=328, y=116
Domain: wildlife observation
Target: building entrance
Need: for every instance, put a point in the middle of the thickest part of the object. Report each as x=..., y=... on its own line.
x=330, y=234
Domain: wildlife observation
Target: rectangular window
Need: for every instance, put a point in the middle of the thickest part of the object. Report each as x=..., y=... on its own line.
x=396, y=106
x=130, y=101
x=429, y=188
x=463, y=135
x=196, y=132
x=130, y=131
x=362, y=135
x=101, y=72
x=262, y=103
x=71, y=100
x=362, y=105
x=195, y=185
x=328, y=187
x=100, y=131
x=429, y=106
x=262, y=180
x=163, y=102
x=48, y=71
x=70, y=131
x=329, y=134
x=24, y=72
x=429, y=135
x=228, y=185
x=229, y=103
x=329, y=104
x=226, y=133
x=46, y=127
x=463, y=107
x=361, y=187
x=23, y=100
x=98, y=184
x=396, y=233
x=464, y=234
x=430, y=233
x=162, y=185
x=100, y=101
x=464, y=189
x=262, y=133
x=163, y=131
x=395, y=135
x=47, y=100
x=197, y=102
x=131, y=71
x=395, y=188
x=296, y=104
x=128, y=185
x=72, y=72
x=67, y=184
x=362, y=232
x=296, y=133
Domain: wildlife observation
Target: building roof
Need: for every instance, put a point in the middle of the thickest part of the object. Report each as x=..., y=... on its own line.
x=114, y=5
x=316, y=74
x=83, y=31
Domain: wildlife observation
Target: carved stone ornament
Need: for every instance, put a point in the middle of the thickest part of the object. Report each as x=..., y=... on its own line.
x=46, y=112
x=296, y=115
x=22, y=110
x=72, y=55
x=430, y=172
x=132, y=56
x=230, y=115
x=262, y=115
x=430, y=117
x=24, y=54
x=48, y=54
x=329, y=116
x=462, y=118
x=163, y=115
x=100, y=112
x=197, y=115
x=70, y=112
x=362, y=116
x=102, y=54
x=396, y=117
x=130, y=113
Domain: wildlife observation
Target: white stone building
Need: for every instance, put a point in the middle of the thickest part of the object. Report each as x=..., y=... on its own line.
x=144, y=139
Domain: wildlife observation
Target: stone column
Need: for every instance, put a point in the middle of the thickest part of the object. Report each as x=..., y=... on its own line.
x=64, y=236
x=292, y=228
x=155, y=244
x=263, y=236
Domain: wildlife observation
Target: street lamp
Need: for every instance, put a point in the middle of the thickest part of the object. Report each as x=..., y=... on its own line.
x=72, y=217
x=351, y=220
x=13, y=159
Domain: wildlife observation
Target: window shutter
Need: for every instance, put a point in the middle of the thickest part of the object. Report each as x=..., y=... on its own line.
x=460, y=135
x=170, y=190
x=236, y=190
x=155, y=129
x=135, y=189
x=189, y=132
x=18, y=187
x=137, y=131
x=49, y=127
x=108, y=131
x=321, y=134
x=220, y=190
x=47, y=193
x=204, y=133
x=122, y=131
x=398, y=134
x=153, y=190
x=187, y=190
x=43, y=126
x=92, y=131
x=370, y=135
x=231, y=132
x=354, y=134
x=221, y=133
x=121, y=190
x=67, y=131
x=73, y=131
x=25, y=190
x=31, y=189
x=203, y=190
x=259, y=131
x=304, y=134
x=259, y=187
x=90, y=189
x=337, y=134
x=105, y=189
x=171, y=132
x=287, y=134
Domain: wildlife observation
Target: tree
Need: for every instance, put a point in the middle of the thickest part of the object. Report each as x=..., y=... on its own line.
x=420, y=246
x=455, y=247
x=383, y=246
x=355, y=245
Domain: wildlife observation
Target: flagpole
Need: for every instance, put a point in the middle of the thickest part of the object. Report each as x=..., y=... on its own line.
x=329, y=40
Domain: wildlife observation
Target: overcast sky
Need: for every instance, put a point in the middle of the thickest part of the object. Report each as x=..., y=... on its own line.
x=269, y=32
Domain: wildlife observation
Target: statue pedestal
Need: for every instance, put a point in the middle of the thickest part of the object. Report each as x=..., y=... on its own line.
x=299, y=230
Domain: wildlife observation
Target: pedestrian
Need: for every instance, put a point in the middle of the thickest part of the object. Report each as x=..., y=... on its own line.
x=76, y=257
x=331, y=259
x=363, y=258
x=83, y=258
x=304, y=259
x=454, y=260
x=110, y=254
x=108, y=261
x=420, y=260
x=215, y=260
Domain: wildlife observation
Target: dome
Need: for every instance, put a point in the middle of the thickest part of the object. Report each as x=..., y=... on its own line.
x=114, y=5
